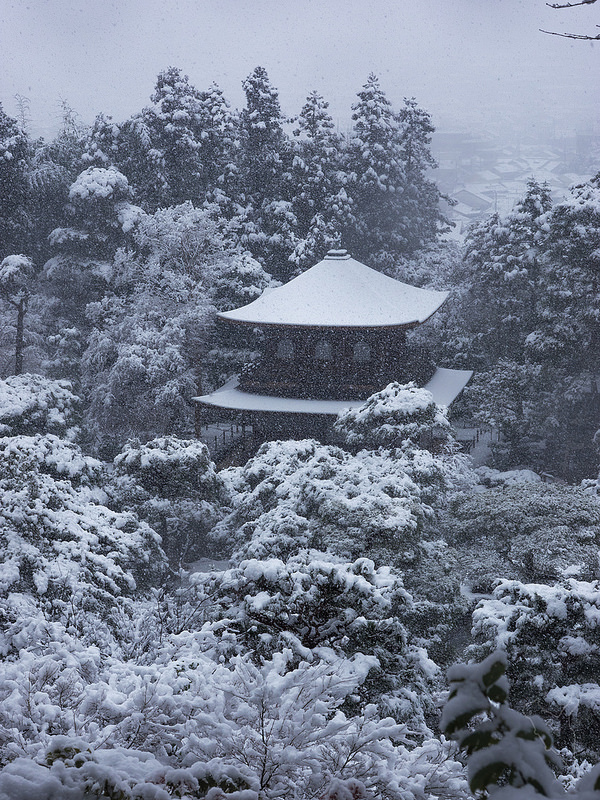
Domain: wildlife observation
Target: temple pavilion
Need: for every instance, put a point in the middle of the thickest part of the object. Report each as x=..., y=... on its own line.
x=330, y=338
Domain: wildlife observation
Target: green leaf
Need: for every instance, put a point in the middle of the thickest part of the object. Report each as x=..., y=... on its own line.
x=489, y=774
x=496, y=671
x=461, y=721
x=477, y=740
x=496, y=694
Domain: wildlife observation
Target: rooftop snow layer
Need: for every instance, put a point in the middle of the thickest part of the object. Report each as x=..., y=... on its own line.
x=341, y=292
x=445, y=386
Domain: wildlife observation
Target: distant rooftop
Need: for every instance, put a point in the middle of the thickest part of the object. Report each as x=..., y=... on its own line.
x=341, y=292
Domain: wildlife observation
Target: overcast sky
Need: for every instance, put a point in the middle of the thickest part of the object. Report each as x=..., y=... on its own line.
x=471, y=63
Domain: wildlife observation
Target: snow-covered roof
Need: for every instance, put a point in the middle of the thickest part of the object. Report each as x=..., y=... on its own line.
x=341, y=292
x=445, y=386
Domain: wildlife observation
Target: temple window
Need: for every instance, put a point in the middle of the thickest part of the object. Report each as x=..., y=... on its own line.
x=323, y=350
x=361, y=352
x=285, y=349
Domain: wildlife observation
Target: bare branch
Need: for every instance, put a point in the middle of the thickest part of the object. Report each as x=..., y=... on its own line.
x=570, y=5
x=574, y=35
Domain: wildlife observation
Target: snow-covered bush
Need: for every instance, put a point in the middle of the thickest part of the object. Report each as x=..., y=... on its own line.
x=532, y=531
x=314, y=602
x=506, y=750
x=172, y=484
x=298, y=494
x=551, y=637
x=61, y=545
x=98, y=183
x=76, y=720
x=399, y=416
x=31, y=404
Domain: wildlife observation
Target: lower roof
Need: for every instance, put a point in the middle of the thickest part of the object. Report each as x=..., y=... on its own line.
x=445, y=386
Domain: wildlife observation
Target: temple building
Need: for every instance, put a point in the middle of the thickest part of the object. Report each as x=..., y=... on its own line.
x=330, y=338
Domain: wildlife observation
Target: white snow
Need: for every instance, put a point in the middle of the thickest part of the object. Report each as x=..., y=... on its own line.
x=341, y=292
x=98, y=183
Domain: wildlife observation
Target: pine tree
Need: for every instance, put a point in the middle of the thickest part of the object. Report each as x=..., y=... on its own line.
x=568, y=306
x=377, y=166
x=503, y=267
x=16, y=277
x=422, y=218
x=317, y=179
x=14, y=153
x=263, y=139
x=267, y=223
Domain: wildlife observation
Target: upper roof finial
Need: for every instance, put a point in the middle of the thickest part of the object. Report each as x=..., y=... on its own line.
x=337, y=254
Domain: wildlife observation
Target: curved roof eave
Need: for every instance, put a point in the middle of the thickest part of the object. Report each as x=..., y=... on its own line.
x=340, y=292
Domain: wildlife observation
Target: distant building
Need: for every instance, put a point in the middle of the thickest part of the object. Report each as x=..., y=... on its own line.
x=331, y=337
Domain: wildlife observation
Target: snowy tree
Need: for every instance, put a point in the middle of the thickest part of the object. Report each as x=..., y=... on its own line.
x=152, y=341
x=551, y=640
x=171, y=484
x=31, y=404
x=399, y=416
x=182, y=147
x=62, y=546
x=513, y=398
x=190, y=726
x=14, y=152
x=52, y=168
x=531, y=330
x=101, y=217
x=568, y=313
x=317, y=183
x=266, y=222
x=532, y=531
x=263, y=138
x=16, y=276
x=315, y=602
x=422, y=219
x=294, y=495
x=504, y=748
x=376, y=160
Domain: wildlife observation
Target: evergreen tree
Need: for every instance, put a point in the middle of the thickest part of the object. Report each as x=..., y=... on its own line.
x=14, y=153
x=52, y=168
x=377, y=166
x=568, y=308
x=16, y=276
x=422, y=218
x=267, y=222
x=263, y=139
x=317, y=183
x=176, y=122
x=502, y=265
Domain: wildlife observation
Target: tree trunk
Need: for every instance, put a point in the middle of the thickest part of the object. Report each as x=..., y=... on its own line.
x=20, y=339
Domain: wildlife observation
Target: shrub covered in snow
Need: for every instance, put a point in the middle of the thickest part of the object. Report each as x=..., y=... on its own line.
x=299, y=494
x=61, y=546
x=532, y=531
x=314, y=602
x=551, y=637
x=81, y=723
x=509, y=754
x=97, y=183
x=172, y=484
x=31, y=404
x=399, y=416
